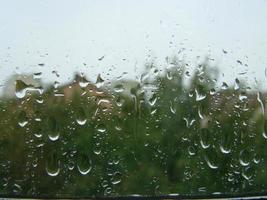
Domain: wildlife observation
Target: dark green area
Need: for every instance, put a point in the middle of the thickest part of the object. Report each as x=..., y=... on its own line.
x=194, y=138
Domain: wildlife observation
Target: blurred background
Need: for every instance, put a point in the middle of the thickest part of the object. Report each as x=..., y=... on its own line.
x=116, y=98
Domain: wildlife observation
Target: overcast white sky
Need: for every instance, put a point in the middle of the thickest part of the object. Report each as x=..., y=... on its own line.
x=73, y=32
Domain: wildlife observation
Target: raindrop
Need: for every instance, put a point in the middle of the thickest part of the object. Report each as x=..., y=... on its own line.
x=264, y=134
x=81, y=117
x=212, y=91
x=52, y=164
x=224, y=86
x=101, y=58
x=84, y=164
x=53, y=126
x=152, y=101
x=99, y=81
x=210, y=162
x=259, y=99
x=244, y=157
x=83, y=82
x=22, y=119
x=226, y=142
x=21, y=89
x=37, y=75
x=237, y=84
x=199, y=96
x=119, y=88
x=116, y=178
x=101, y=128
x=224, y=51
x=191, y=150
x=16, y=188
x=239, y=62
x=172, y=108
x=248, y=173
x=205, y=138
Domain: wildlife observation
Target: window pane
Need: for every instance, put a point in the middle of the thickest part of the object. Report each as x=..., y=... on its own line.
x=122, y=98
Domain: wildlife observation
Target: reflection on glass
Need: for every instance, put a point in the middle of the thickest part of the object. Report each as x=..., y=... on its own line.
x=170, y=119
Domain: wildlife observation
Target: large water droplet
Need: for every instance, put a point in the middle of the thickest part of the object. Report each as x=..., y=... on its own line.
x=22, y=119
x=226, y=142
x=21, y=89
x=244, y=157
x=84, y=164
x=119, y=88
x=101, y=128
x=211, y=159
x=116, y=178
x=53, y=129
x=99, y=81
x=205, y=138
x=199, y=96
x=81, y=116
x=83, y=82
x=52, y=164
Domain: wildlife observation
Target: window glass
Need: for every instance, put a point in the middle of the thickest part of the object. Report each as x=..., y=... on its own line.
x=128, y=98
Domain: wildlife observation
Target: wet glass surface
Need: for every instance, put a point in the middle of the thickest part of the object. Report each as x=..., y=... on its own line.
x=123, y=98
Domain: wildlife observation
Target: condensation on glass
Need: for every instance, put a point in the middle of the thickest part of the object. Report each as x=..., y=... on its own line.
x=123, y=98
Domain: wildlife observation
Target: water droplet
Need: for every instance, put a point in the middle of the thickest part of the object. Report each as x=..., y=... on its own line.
x=244, y=157
x=211, y=159
x=191, y=150
x=226, y=143
x=37, y=75
x=116, y=178
x=83, y=82
x=239, y=62
x=101, y=128
x=212, y=91
x=101, y=58
x=205, y=138
x=53, y=132
x=22, y=119
x=84, y=164
x=172, y=108
x=119, y=88
x=52, y=164
x=199, y=96
x=259, y=99
x=248, y=172
x=21, y=89
x=224, y=51
x=99, y=81
x=81, y=116
x=237, y=84
x=224, y=86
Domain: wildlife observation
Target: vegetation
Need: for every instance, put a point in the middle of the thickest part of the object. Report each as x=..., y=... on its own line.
x=155, y=136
